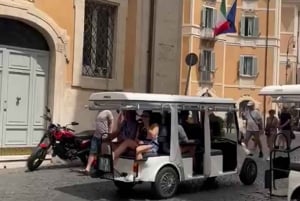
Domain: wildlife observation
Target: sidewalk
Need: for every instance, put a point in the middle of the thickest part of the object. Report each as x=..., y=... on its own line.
x=19, y=161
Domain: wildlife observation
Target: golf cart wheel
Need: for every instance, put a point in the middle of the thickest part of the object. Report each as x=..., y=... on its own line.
x=296, y=195
x=124, y=186
x=166, y=183
x=248, y=172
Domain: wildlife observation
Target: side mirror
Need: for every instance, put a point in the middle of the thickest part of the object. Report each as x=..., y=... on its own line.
x=74, y=123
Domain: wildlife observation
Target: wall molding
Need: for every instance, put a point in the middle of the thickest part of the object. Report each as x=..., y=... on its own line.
x=235, y=40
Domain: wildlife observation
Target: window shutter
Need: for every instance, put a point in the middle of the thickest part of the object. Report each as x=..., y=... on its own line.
x=243, y=19
x=201, y=62
x=212, y=62
x=205, y=76
x=256, y=26
x=203, y=12
x=241, y=70
x=214, y=18
x=254, y=67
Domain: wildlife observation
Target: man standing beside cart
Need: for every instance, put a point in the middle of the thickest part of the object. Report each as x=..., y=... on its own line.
x=254, y=126
x=285, y=126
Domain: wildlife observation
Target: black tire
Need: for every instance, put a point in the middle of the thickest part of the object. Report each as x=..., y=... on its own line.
x=36, y=158
x=296, y=195
x=124, y=186
x=166, y=183
x=248, y=172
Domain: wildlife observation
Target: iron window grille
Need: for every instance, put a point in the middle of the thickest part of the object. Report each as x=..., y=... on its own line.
x=98, y=44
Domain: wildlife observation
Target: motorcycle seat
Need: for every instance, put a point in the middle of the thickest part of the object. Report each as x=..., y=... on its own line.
x=85, y=134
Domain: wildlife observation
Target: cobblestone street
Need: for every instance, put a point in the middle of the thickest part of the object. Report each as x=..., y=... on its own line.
x=66, y=184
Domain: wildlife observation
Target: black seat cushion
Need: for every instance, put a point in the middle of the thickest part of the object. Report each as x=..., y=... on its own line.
x=295, y=166
x=216, y=152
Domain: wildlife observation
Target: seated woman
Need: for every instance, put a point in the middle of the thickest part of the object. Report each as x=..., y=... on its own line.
x=146, y=139
x=149, y=142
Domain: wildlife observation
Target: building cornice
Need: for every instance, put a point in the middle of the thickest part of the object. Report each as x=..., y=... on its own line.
x=230, y=39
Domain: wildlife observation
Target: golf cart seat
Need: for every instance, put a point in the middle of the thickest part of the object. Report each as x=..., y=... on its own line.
x=295, y=166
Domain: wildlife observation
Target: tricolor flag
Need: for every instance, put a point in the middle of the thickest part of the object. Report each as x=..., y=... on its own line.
x=226, y=22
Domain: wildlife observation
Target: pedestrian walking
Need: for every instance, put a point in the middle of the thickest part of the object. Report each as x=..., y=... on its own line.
x=254, y=126
x=285, y=119
x=271, y=129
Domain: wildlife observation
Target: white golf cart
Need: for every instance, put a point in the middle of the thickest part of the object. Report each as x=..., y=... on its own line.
x=215, y=150
x=280, y=160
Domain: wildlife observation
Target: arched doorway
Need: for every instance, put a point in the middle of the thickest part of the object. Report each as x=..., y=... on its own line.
x=24, y=67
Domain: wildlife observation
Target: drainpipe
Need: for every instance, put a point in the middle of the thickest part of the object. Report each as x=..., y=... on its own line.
x=266, y=58
x=297, y=57
x=150, y=47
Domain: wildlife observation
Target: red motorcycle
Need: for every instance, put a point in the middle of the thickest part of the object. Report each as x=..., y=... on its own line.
x=63, y=141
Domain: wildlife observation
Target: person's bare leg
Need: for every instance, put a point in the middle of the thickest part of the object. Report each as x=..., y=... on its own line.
x=142, y=149
x=90, y=162
x=248, y=136
x=122, y=148
x=258, y=142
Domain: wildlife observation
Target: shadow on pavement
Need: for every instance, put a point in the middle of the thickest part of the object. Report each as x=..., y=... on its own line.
x=58, y=166
x=104, y=190
x=107, y=190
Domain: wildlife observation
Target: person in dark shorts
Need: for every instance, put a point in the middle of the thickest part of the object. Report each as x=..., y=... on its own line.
x=285, y=126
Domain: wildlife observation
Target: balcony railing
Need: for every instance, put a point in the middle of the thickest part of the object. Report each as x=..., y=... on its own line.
x=207, y=33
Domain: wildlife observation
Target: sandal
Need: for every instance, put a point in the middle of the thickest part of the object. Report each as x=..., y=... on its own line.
x=84, y=171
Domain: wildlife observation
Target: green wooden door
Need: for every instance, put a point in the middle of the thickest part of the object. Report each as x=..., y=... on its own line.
x=23, y=95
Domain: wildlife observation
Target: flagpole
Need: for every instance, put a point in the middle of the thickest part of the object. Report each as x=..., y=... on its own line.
x=266, y=58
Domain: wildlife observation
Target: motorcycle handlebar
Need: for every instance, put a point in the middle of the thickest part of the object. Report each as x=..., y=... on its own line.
x=70, y=129
x=47, y=118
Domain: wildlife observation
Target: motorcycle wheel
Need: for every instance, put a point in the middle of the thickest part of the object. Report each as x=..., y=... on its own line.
x=36, y=158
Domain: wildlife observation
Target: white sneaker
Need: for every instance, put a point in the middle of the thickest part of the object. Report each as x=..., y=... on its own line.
x=129, y=177
x=268, y=159
x=247, y=151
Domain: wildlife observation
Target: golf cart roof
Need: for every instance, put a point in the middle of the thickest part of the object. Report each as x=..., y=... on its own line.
x=114, y=100
x=282, y=93
x=149, y=97
x=281, y=90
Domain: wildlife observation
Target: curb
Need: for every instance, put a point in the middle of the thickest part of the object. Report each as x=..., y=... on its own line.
x=19, y=161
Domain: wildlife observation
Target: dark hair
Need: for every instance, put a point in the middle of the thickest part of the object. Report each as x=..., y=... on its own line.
x=184, y=114
x=148, y=111
x=155, y=117
x=272, y=111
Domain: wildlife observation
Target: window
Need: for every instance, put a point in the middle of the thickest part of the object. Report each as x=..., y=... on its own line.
x=249, y=26
x=208, y=17
x=95, y=66
x=99, y=23
x=207, y=64
x=248, y=66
